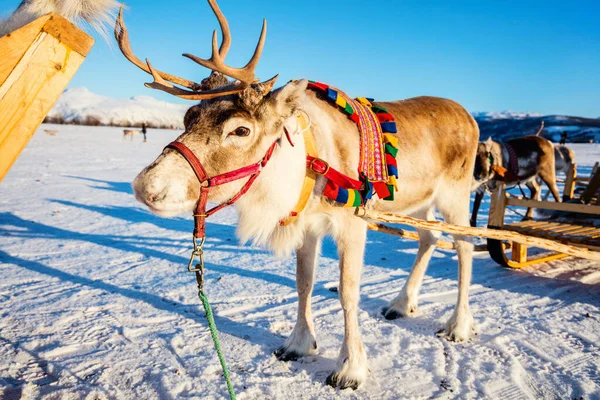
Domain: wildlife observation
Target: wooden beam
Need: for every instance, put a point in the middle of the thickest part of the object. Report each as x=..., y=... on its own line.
x=37, y=62
x=497, y=207
x=550, y=205
x=412, y=235
x=498, y=234
x=569, y=188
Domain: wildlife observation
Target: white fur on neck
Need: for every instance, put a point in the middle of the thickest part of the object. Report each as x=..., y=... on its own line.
x=272, y=197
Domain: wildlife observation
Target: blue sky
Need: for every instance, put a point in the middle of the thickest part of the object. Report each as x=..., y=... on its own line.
x=539, y=56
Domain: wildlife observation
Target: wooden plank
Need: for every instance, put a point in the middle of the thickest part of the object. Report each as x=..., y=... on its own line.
x=582, y=230
x=540, y=227
x=565, y=229
x=550, y=205
x=30, y=91
x=498, y=234
x=15, y=44
x=63, y=31
x=580, y=235
x=525, y=223
x=574, y=231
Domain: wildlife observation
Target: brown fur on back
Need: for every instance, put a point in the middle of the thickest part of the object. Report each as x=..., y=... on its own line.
x=444, y=119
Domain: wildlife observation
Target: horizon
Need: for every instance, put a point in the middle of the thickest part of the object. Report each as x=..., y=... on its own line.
x=528, y=114
x=541, y=57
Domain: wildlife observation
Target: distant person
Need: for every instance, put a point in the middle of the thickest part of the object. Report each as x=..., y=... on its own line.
x=563, y=137
x=144, y=131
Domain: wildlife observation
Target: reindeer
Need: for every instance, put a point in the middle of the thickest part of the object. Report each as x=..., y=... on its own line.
x=564, y=157
x=236, y=123
x=514, y=162
x=130, y=133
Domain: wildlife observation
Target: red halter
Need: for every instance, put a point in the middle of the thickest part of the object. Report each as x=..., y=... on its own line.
x=200, y=213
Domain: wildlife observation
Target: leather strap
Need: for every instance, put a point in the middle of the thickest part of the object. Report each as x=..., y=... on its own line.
x=311, y=177
x=321, y=167
x=200, y=213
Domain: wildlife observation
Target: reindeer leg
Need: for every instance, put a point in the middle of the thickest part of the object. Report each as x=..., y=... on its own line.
x=406, y=303
x=351, y=369
x=455, y=210
x=549, y=178
x=302, y=340
x=476, y=204
x=534, y=187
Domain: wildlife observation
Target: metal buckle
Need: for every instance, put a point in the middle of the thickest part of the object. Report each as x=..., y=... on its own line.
x=312, y=167
x=197, y=252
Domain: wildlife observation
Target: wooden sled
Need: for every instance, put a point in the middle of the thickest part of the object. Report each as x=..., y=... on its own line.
x=37, y=62
x=563, y=229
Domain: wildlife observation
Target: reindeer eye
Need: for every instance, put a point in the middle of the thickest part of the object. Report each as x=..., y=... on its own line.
x=241, y=131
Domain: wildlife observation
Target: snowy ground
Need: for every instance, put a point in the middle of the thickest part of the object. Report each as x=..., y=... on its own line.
x=96, y=302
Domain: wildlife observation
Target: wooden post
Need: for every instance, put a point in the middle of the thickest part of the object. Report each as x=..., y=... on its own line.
x=592, y=188
x=569, y=189
x=37, y=62
x=519, y=253
x=497, y=207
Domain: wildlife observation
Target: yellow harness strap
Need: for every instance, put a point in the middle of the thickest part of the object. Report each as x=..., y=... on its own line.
x=310, y=178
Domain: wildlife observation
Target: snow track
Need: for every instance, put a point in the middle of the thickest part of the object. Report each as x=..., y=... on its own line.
x=95, y=300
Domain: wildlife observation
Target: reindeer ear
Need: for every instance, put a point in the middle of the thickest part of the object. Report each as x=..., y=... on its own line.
x=288, y=98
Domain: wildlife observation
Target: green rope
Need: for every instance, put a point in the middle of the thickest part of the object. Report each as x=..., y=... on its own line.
x=215, y=336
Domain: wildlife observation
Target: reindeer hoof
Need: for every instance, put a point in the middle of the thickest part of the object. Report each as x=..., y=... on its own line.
x=390, y=314
x=405, y=311
x=283, y=354
x=334, y=380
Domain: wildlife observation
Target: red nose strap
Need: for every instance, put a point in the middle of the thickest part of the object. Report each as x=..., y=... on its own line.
x=200, y=213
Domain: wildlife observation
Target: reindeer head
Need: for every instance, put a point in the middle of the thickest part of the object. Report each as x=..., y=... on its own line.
x=487, y=155
x=233, y=125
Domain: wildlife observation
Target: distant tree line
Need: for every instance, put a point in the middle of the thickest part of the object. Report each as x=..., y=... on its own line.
x=92, y=120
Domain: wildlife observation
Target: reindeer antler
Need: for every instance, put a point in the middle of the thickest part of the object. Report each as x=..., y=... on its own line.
x=245, y=75
x=217, y=61
x=540, y=130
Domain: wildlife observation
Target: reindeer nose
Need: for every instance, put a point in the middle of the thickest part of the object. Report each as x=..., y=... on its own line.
x=155, y=197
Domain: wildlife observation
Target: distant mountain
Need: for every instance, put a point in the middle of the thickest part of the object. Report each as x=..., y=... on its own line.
x=508, y=125
x=80, y=106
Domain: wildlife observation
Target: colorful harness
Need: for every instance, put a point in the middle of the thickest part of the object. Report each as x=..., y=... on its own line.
x=510, y=174
x=377, y=167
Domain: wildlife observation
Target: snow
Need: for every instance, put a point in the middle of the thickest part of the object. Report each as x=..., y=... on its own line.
x=96, y=301
x=79, y=104
x=490, y=115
